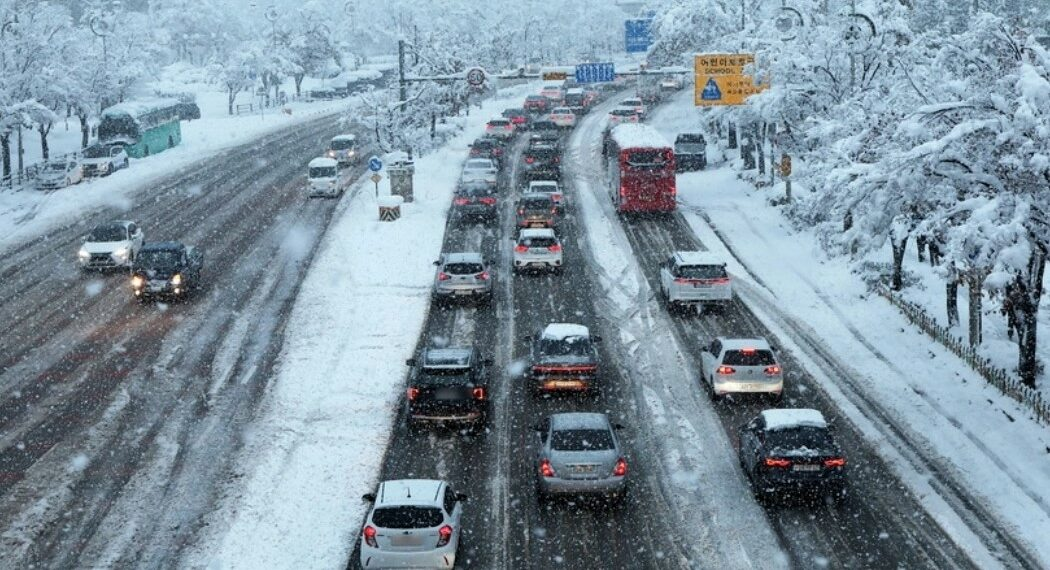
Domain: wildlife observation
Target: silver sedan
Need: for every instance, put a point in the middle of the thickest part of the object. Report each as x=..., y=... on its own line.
x=580, y=455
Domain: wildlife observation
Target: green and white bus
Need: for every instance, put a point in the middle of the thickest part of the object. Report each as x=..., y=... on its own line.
x=143, y=127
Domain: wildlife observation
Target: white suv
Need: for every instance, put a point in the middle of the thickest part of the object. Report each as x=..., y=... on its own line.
x=741, y=366
x=114, y=244
x=695, y=277
x=414, y=523
x=537, y=249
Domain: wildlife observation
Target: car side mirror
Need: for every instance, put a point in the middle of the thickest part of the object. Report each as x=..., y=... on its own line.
x=461, y=497
x=370, y=497
x=411, y=362
x=437, y=262
x=618, y=426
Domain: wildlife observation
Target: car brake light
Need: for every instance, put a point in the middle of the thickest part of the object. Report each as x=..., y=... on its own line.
x=545, y=468
x=529, y=160
x=461, y=201
x=747, y=351
x=474, y=152
x=484, y=276
x=444, y=535
x=682, y=280
x=478, y=393
x=554, y=210
x=554, y=248
x=521, y=211
x=773, y=370
x=621, y=468
x=487, y=200
x=776, y=462
x=442, y=276
x=557, y=197
x=370, y=536
x=521, y=249
x=412, y=393
x=835, y=462
x=557, y=159
x=725, y=370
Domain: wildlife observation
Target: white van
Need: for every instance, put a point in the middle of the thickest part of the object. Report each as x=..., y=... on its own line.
x=323, y=177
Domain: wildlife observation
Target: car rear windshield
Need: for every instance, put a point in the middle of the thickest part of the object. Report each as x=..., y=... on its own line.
x=108, y=233
x=748, y=358
x=622, y=112
x=535, y=98
x=478, y=165
x=513, y=113
x=544, y=125
x=57, y=166
x=537, y=241
x=647, y=159
x=701, y=272
x=464, y=268
x=540, y=153
x=407, y=517
x=323, y=172
x=546, y=188
x=443, y=375
x=795, y=438
x=572, y=346
x=582, y=440
x=484, y=144
x=690, y=138
x=476, y=190
x=96, y=152
x=537, y=203
x=341, y=144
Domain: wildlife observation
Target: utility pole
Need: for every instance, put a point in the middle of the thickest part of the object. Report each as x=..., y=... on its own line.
x=401, y=69
x=852, y=55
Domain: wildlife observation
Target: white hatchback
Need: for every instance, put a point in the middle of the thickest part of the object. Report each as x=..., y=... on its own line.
x=109, y=245
x=414, y=523
x=563, y=117
x=694, y=278
x=741, y=366
x=537, y=249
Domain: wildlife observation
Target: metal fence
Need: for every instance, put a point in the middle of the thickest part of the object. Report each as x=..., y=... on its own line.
x=1001, y=379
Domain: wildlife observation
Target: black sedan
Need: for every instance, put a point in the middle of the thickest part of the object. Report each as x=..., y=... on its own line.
x=448, y=386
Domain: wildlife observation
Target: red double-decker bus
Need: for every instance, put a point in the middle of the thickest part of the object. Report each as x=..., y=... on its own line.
x=641, y=169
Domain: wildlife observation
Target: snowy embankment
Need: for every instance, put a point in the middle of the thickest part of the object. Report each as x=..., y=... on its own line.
x=928, y=396
x=318, y=442
x=30, y=213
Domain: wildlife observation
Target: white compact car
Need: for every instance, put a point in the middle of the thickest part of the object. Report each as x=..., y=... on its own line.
x=537, y=249
x=59, y=173
x=741, y=366
x=636, y=104
x=114, y=244
x=414, y=523
x=549, y=187
x=695, y=278
x=480, y=169
x=343, y=149
x=563, y=117
x=323, y=177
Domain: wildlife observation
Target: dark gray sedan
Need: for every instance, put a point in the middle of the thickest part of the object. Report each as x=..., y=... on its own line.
x=580, y=455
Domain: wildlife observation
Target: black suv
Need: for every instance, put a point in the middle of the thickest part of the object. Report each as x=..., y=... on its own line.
x=166, y=269
x=563, y=356
x=792, y=450
x=542, y=162
x=448, y=385
x=488, y=147
x=475, y=201
x=690, y=151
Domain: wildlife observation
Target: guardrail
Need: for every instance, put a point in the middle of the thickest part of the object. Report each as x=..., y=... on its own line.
x=1001, y=379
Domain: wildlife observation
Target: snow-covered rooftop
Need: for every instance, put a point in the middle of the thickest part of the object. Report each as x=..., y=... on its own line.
x=323, y=162
x=793, y=418
x=633, y=135
x=139, y=107
x=562, y=331
x=536, y=233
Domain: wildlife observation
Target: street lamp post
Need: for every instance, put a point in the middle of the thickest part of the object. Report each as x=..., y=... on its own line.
x=271, y=16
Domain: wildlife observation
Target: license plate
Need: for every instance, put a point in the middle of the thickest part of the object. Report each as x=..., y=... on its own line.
x=462, y=292
x=564, y=384
x=446, y=394
x=700, y=285
x=405, y=540
x=798, y=467
x=583, y=468
x=537, y=225
x=754, y=387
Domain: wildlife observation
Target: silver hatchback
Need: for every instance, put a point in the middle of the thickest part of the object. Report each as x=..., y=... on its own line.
x=580, y=455
x=462, y=276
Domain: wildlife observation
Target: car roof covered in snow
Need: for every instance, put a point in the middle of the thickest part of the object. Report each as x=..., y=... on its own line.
x=744, y=343
x=788, y=418
x=323, y=162
x=463, y=257
x=579, y=420
x=536, y=233
x=409, y=492
x=698, y=258
x=344, y=138
x=562, y=331
x=633, y=135
x=542, y=184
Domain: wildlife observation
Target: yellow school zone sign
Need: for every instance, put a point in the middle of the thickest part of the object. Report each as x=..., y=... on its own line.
x=720, y=79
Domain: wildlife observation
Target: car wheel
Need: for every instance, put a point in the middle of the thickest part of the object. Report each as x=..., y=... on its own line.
x=127, y=163
x=558, y=270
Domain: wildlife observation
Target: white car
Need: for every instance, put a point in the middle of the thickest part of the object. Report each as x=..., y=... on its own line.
x=414, y=523
x=480, y=169
x=621, y=115
x=636, y=104
x=59, y=173
x=103, y=160
x=549, y=187
x=741, y=366
x=114, y=244
x=695, y=278
x=553, y=92
x=563, y=117
x=343, y=149
x=537, y=249
x=323, y=177
x=500, y=128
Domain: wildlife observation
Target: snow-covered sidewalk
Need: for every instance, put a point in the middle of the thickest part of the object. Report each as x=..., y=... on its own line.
x=984, y=439
x=319, y=440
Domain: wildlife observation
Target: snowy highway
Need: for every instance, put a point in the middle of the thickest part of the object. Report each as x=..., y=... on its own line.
x=120, y=417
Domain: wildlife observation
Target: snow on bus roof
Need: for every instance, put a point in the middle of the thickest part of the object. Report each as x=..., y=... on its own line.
x=634, y=135
x=139, y=107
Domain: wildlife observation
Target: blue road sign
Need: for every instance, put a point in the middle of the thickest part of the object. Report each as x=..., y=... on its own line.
x=638, y=35
x=595, y=73
x=374, y=164
x=711, y=91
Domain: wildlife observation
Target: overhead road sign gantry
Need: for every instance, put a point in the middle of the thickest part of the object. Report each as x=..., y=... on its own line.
x=637, y=35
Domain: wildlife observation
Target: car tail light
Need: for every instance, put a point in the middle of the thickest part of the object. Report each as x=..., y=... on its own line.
x=835, y=462
x=478, y=393
x=497, y=152
x=461, y=201
x=748, y=351
x=725, y=370
x=489, y=201
x=773, y=370
x=474, y=152
x=412, y=393
x=521, y=211
x=444, y=535
x=557, y=159
x=521, y=249
x=442, y=276
x=621, y=468
x=554, y=248
x=484, y=276
x=557, y=197
x=370, y=536
x=554, y=210
x=545, y=468
x=529, y=160
x=682, y=280
x=777, y=462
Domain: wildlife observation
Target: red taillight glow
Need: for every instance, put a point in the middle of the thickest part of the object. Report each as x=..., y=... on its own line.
x=545, y=468
x=554, y=248
x=521, y=249
x=682, y=281
x=370, y=536
x=484, y=275
x=725, y=370
x=478, y=393
x=412, y=393
x=835, y=462
x=772, y=370
x=474, y=152
x=461, y=201
x=529, y=160
x=521, y=211
x=554, y=210
x=444, y=535
x=621, y=468
x=556, y=197
x=748, y=351
x=778, y=463
x=488, y=201
x=442, y=276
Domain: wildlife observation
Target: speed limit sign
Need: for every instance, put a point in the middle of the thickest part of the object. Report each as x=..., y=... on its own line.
x=475, y=77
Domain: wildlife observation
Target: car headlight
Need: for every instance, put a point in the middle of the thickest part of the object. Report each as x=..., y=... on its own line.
x=137, y=281
x=351, y=153
x=331, y=153
x=176, y=279
x=104, y=166
x=121, y=252
x=83, y=253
